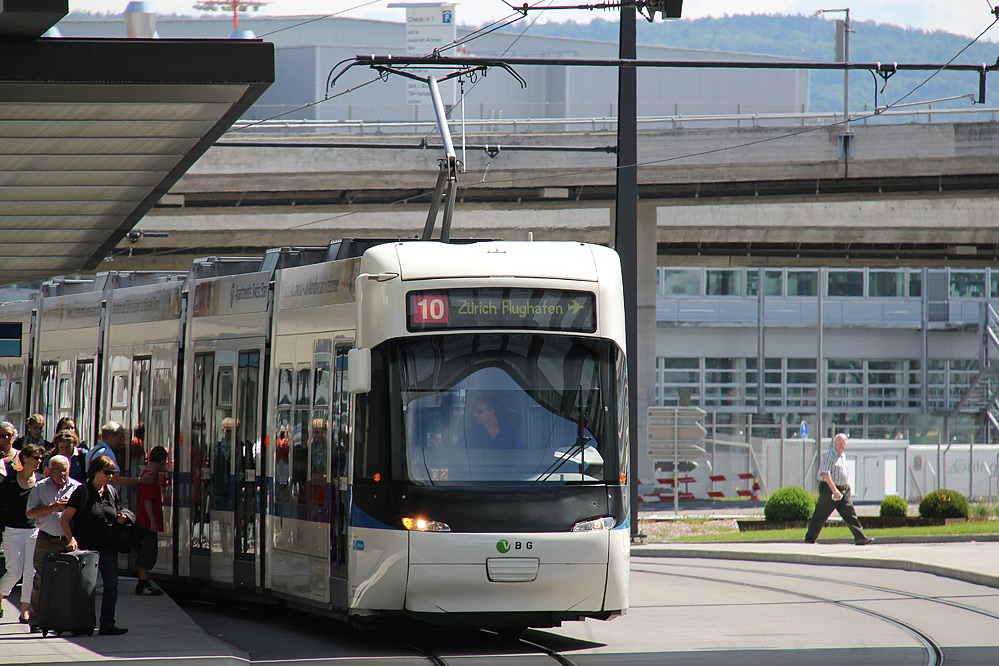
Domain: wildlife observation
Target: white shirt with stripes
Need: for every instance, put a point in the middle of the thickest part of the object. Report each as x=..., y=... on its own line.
x=835, y=463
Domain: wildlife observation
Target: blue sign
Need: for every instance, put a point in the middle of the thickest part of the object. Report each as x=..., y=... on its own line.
x=804, y=429
x=10, y=339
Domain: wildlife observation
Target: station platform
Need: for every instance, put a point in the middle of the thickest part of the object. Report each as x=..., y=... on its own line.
x=158, y=631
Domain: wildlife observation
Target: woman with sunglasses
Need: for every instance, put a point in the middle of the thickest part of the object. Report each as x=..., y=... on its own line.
x=88, y=522
x=20, y=532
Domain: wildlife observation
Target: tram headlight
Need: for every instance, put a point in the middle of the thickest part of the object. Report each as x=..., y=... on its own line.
x=595, y=525
x=424, y=525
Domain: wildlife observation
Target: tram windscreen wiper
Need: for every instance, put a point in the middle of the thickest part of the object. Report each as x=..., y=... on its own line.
x=578, y=447
x=581, y=440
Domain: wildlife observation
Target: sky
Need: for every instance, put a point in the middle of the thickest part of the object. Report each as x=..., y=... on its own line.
x=963, y=17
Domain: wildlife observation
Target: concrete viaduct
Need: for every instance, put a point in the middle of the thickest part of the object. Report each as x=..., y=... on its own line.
x=910, y=194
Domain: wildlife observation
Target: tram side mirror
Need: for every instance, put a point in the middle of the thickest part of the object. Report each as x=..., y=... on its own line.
x=359, y=370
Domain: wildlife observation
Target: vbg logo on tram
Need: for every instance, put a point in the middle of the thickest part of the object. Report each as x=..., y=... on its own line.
x=504, y=546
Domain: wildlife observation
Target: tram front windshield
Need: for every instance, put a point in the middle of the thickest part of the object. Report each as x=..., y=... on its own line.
x=510, y=408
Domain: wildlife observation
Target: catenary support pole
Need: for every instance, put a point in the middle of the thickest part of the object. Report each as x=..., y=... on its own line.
x=626, y=232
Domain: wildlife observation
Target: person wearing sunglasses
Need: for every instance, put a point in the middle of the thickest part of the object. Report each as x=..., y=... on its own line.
x=20, y=532
x=88, y=522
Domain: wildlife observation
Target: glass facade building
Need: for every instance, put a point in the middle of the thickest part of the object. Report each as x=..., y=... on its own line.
x=897, y=349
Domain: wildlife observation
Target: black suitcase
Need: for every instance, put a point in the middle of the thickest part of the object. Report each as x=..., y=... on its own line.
x=66, y=600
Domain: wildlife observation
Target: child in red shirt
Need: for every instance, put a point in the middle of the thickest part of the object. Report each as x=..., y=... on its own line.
x=150, y=516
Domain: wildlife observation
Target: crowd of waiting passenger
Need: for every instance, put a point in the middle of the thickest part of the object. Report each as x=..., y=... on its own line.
x=63, y=496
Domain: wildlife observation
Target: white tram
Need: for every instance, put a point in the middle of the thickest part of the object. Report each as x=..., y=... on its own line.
x=419, y=429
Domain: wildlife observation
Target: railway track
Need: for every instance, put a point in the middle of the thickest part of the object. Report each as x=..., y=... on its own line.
x=933, y=652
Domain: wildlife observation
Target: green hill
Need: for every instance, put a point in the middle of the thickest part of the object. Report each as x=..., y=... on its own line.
x=813, y=38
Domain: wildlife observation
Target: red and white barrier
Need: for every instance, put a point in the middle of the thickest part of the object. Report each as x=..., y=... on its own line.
x=664, y=488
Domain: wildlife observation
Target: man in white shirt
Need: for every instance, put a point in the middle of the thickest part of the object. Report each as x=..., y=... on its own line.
x=45, y=504
x=834, y=493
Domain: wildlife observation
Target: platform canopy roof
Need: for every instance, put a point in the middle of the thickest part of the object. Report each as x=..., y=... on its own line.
x=93, y=132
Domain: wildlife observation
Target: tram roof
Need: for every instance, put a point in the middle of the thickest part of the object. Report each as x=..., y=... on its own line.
x=95, y=131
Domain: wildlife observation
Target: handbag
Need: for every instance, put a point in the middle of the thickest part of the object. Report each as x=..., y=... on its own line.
x=126, y=537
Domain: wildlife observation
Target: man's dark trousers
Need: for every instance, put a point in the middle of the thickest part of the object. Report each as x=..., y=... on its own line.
x=824, y=508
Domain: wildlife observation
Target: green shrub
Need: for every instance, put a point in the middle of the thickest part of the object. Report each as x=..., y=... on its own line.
x=944, y=504
x=788, y=505
x=894, y=506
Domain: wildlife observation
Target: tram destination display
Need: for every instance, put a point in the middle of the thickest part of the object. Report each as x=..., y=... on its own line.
x=501, y=308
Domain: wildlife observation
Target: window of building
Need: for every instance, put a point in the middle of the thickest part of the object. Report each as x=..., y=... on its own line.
x=846, y=283
x=994, y=284
x=885, y=425
x=915, y=284
x=724, y=282
x=802, y=283
x=772, y=279
x=681, y=370
x=678, y=381
x=884, y=284
x=680, y=282
x=850, y=423
x=723, y=381
x=967, y=284
x=884, y=379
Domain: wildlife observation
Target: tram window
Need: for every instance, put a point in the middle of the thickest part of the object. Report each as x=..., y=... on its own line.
x=49, y=386
x=518, y=408
x=141, y=390
x=300, y=435
x=319, y=444
x=320, y=448
x=158, y=429
x=282, y=462
x=3, y=393
x=284, y=385
x=65, y=394
x=341, y=412
x=119, y=390
x=84, y=399
x=201, y=432
x=221, y=463
x=321, y=378
x=15, y=395
x=162, y=387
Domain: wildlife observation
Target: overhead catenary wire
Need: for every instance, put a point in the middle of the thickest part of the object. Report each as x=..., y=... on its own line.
x=846, y=121
x=318, y=18
x=487, y=29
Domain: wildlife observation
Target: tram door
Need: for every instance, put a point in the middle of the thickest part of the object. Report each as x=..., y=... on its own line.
x=339, y=474
x=202, y=429
x=246, y=449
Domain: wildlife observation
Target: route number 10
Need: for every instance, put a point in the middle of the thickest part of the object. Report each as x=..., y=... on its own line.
x=429, y=309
